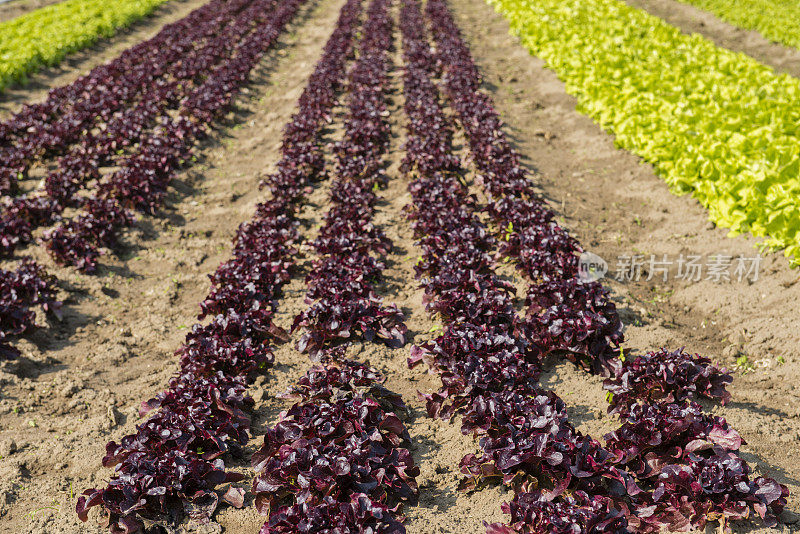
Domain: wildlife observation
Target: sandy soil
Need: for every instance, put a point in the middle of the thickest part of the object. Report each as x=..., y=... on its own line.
x=80, y=382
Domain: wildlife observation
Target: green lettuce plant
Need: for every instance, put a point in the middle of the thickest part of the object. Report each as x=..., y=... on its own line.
x=44, y=36
x=778, y=20
x=713, y=123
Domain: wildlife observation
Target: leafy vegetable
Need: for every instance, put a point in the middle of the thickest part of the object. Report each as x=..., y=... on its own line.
x=689, y=461
x=95, y=120
x=489, y=359
x=341, y=296
x=338, y=461
x=536, y=513
x=49, y=127
x=142, y=180
x=44, y=36
x=713, y=123
x=341, y=447
x=173, y=464
x=777, y=20
x=664, y=376
x=27, y=286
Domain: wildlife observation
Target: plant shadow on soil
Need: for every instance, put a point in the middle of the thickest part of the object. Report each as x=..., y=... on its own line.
x=512, y=134
x=432, y=496
x=55, y=334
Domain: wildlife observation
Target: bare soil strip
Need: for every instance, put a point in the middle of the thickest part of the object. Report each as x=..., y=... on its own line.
x=691, y=19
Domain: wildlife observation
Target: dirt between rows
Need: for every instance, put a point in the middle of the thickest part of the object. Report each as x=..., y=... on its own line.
x=80, y=382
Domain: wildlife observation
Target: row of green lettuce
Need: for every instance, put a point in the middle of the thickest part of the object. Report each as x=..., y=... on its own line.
x=713, y=123
x=778, y=20
x=44, y=36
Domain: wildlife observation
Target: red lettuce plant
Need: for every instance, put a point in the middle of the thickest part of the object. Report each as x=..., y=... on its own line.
x=576, y=318
x=652, y=434
x=524, y=434
x=488, y=369
x=688, y=459
x=93, y=121
x=219, y=69
x=341, y=296
x=21, y=290
x=538, y=513
x=52, y=127
x=175, y=461
x=664, y=376
x=341, y=448
x=337, y=461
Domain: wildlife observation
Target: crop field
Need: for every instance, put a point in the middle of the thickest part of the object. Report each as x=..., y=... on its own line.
x=45, y=36
x=389, y=266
